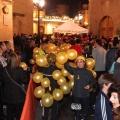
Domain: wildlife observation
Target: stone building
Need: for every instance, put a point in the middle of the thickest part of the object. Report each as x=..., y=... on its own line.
x=16, y=17
x=23, y=17
x=6, y=24
x=104, y=17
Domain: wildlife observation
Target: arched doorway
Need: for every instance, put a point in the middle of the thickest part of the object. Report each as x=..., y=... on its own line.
x=106, y=27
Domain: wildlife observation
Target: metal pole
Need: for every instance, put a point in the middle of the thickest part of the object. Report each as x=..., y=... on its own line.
x=38, y=26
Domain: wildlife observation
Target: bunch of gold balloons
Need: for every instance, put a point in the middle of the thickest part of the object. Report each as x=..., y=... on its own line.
x=47, y=99
x=62, y=56
x=90, y=64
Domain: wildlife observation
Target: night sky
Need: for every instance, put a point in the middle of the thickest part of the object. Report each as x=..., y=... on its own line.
x=73, y=5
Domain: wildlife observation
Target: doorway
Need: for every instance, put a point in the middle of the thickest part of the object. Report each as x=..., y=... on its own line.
x=106, y=27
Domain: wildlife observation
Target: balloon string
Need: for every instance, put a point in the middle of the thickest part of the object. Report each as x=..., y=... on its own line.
x=47, y=75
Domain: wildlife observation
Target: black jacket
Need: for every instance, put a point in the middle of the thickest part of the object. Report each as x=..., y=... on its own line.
x=12, y=93
x=110, y=58
x=82, y=78
x=47, y=72
x=116, y=73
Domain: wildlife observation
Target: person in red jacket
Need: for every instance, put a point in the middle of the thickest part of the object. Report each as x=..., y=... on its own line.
x=76, y=46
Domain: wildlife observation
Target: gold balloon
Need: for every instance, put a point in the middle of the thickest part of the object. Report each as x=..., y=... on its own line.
x=93, y=72
x=71, y=77
x=58, y=49
x=32, y=61
x=46, y=50
x=37, y=77
x=51, y=46
x=61, y=81
x=61, y=57
x=45, y=82
x=90, y=63
x=72, y=64
x=67, y=47
x=58, y=65
x=41, y=61
x=57, y=94
x=47, y=100
x=56, y=74
x=71, y=83
x=72, y=54
x=35, y=55
x=55, y=52
x=39, y=91
x=23, y=65
x=62, y=48
x=36, y=50
x=65, y=72
x=65, y=88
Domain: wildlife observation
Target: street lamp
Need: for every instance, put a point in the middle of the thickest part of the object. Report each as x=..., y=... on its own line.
x=79, y=17
x=39, y=4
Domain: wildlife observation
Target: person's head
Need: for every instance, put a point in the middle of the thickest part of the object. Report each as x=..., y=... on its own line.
x=13, y=61
x=116, y=43
x=114, y=92
x=72, y=42
x=8, y=45
x=19, y=56
x=3, y=46
x=78, y=41
x=105, y=81
x=80, y=61
x=51, y=58
x=117, y=54
x=1, y=51
x=32, y=43
x=97, y=42
x=43, y=46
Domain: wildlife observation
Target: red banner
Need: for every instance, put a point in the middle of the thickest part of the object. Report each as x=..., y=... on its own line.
x=29, y=108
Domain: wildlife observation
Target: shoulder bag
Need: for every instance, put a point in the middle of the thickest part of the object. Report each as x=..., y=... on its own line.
x=23, y=89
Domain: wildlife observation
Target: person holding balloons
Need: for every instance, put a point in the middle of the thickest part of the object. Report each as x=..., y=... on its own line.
x=50, y=87
x=83, y=81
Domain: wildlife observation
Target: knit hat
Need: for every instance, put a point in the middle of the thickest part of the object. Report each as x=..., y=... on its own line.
x=81, y=58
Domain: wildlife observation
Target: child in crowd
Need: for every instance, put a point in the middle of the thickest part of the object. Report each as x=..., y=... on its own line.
x=103, y=108
x=83, y=81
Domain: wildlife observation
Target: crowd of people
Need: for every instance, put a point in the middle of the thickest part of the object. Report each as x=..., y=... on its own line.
x=105, y=96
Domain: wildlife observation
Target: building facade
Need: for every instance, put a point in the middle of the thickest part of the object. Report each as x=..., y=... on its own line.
x=23, y=17
x=104, y=17
x=6, y=20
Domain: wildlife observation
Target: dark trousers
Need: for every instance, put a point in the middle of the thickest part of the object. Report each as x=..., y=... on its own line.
x=96, y=90
x=1, y=104
x=1, y=110
x=84, y=107
x=54, y=111
x=14, y=110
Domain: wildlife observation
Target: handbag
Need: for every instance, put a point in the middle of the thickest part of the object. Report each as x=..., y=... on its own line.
x=22, y=87
x=76, y=106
